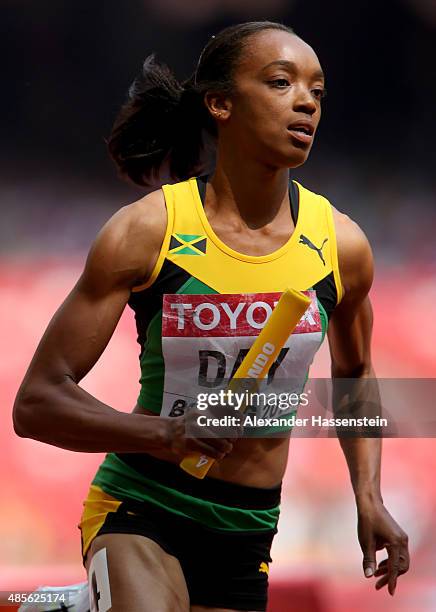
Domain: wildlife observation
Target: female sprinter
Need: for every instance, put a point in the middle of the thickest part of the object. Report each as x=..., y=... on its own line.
x=157, y=538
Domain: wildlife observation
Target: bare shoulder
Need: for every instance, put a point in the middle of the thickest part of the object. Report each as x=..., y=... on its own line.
x=127, y=247
x=356, y=264
x=144, y=224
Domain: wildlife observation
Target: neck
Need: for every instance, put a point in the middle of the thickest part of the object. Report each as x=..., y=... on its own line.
x=256, y=193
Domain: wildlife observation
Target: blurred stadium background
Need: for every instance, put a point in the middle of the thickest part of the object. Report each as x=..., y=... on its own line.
x=66, y=68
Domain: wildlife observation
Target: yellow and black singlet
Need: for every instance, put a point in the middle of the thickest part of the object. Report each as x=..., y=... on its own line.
x=196, y=319
x=204, y=303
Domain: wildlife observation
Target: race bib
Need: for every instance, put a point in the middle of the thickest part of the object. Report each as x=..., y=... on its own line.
x=206, y=337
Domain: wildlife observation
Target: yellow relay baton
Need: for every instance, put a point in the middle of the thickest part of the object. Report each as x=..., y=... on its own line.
x=262, y=354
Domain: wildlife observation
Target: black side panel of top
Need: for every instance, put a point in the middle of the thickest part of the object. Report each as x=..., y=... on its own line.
x=294, y=198
x=148, y=302
x=326, y=293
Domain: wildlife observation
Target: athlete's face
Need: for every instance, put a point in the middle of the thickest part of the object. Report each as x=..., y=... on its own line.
x=276, y=107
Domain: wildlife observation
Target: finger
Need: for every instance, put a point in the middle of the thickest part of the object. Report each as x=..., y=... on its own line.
x=393, y=566
x=210, y=451
x=369, y=562
x=381, y=582
x=404, y=555
x=206, y=449
x=404, y=566
x=382, y=568
x=221, y=444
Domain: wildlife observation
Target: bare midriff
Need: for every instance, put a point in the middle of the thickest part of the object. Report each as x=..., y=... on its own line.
x=253, y=462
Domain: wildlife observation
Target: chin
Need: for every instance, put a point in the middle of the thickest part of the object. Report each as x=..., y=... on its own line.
x=297, y=159
x=293, y=158
x=286, y=158
x=296, y=163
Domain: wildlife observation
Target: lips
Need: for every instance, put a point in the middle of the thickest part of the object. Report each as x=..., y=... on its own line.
x=306, y=127
x=302, y=131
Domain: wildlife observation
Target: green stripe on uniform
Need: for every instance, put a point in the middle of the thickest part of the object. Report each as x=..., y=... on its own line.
x=152, y=361
x=122, y=482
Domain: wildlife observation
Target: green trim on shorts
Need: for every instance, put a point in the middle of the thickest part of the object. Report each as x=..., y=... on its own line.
x=122, y=482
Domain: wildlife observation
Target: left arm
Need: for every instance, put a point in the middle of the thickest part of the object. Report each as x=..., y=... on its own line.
x=349, y=336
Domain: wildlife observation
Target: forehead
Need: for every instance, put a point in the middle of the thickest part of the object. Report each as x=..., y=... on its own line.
x=276, y=45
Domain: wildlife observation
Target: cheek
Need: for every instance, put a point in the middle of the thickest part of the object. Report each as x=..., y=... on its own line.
x=261, y=117
x=258, y=106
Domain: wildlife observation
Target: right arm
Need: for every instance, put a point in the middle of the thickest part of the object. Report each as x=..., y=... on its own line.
x=50, y=405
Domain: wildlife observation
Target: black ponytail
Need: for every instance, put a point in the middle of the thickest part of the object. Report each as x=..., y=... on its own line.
x=166, y=121
x=153, y=123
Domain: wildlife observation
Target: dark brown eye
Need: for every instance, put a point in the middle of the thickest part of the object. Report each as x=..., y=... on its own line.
x=280, y=83
x=319, y=92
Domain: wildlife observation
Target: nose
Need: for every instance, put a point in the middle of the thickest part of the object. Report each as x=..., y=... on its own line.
x=304, y=101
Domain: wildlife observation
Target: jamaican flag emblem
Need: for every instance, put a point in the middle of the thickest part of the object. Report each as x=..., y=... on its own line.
x=187, y=244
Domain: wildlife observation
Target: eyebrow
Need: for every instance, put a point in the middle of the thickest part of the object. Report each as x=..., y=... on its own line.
x=318, y=74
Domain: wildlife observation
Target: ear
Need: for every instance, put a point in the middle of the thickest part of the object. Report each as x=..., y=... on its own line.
x=218, y=105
